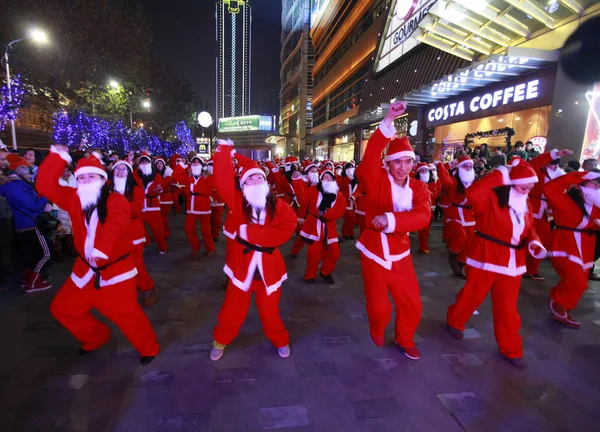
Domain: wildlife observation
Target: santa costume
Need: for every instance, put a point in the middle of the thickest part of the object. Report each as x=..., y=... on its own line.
x=459, y=223
x=166, y=197
x=575, y=200
x=262, y=223
x=179, y=180
x=423, y=173
x=348, y=186
x=496, y=257
x=385, y=250
x=217, y=208
x=103, y=276
x=151, y=212
x=326, y=205
x=199, y=192
x=130, y=189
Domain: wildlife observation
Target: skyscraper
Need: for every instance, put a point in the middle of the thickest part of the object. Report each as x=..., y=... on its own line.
x=234, y=23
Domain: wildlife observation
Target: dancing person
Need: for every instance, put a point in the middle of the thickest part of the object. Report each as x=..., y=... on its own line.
x=151, y=212
x=103, y=277
x=496, y=256
x=166, y=197
x=199, y=191
x=254, y=263
x=179, y=177
x=395, y=205
x=309, y=182
x=348, y=185
x=326, y=205
x=217, y=208
x=124, y=183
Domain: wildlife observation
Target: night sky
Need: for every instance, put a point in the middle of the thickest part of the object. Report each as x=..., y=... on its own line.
x=184, y=38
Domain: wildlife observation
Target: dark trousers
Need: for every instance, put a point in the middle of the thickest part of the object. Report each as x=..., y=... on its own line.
x=6, y=238
x=33, y=249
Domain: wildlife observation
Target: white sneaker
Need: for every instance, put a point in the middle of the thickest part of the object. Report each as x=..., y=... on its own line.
x=284, y=352
x=217, y=351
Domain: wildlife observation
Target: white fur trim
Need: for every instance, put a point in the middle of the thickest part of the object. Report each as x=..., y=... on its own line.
x=527, y=180
x=505, y=175
x=387, y=131
x=542, y=254
x=494, y=268
x=98, y=254
x=194, y=212
x=98, y=156
x=591, y=176
x=228, y=234
x=399, y=155
x=391, y=227
x=250, y=172
x=572, y=258
x=90, y=170
x=63, y=154
x=139, y=241
x=81, y=282
x=468, y=161
x=123, y=162
x=554, y=154
x=226, y=142
x=243, y=232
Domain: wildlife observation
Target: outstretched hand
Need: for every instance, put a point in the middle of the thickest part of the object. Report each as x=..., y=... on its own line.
x=564, y=152
x=396, y=109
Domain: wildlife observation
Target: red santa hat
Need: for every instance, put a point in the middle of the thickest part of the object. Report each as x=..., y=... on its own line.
x=91, y=165
x=15, y=161
x=326, y=171
x=399, y=148
x=248, y=167
x=328, y=162
x=160, y=159
x=420, y=166
x=173, y=160
x=145, y=155
x=123, y=162
x=200, y=158
x=522, y=173
x=309, y=166
x=464, y=160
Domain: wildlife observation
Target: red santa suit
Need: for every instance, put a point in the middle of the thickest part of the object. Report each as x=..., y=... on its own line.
x=542, y=214
x=359, y=199
x=433, y=192
x=320, y=232
x=151, y=212
x=103, y=276
x=199, y=192
x=254, y=262
x=572, y=252
x=385, y=259
x=178, y=183
x=348, y=187
x=496, y=257
x=166, y=197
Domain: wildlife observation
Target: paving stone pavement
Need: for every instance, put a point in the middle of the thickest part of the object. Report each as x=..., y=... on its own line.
x=335, y=380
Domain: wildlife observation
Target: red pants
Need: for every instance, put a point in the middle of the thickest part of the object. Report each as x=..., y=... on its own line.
x=362, y=223
x=72, y=308
x=316, y=253
x=298, y=242
x=542, y=229
x=349, y=223
x=157, y=228
x=401, y=282
x=177, y=192
x=424, y=237
x=459, y=238
x=573, y=283
x=165, y=209
x=216, y=220
x=143, y=280
x=505, y=292
x=190, y=231
x=235, y=308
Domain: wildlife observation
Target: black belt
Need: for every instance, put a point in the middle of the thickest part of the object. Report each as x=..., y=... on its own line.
x=468, y=207
x=500, y=242
x=97, y=270
x=252, y=247
x=195, y=194
x=325, y=230
x=585, y=231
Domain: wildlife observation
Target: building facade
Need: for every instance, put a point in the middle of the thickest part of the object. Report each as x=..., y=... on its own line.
x=233, y=63
x=297, y=59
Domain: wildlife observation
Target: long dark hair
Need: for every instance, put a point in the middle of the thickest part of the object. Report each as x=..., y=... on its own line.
x=101, y=206
x=130, y=184
x=577, y=196
x=503, y=192
x=247, y=207
x=460, y=187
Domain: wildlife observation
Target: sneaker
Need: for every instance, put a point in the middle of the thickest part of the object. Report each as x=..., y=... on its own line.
x=217, y=351
x=149, y=297
x=328, y=278
x=456, y=333
x=527, y=276
x=560, y=314
x=310, y=281
x=284, y=352
x=162, y=252
x=145, y=360
x=519, y=363
x=412, y=353
x=593, y=277
x=537, y=277
x=36, y=283
x=572, y=322
x=424, y=252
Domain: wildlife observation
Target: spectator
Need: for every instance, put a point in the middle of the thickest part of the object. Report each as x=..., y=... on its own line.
x=499, y=158
x=34, y=159
x=590, y=164
x=485, y=151
x=6, y=229
x=574, y=165
x=26, y=207
x=531, y=151
x=476, y=153
x=519, y=151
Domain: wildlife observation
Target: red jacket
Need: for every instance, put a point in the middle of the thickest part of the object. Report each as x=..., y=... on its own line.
x=459, y=208
x=198, y=194
x=316, y=225
x=138, y=233
x=179, y=177
x=359, y=197
x=502, y=224
x=102, y=244
x=166, y=197
x=284, y=189
x=392, y=244
x=347, y=190
x=537, y=198
x=578, y=247
x=152, y=200
x=271, y=231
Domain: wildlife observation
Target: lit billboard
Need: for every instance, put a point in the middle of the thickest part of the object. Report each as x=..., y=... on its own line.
x=246, y=123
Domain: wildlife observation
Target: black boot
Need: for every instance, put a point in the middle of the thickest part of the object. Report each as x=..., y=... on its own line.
x=455, y=265
x=146, y=360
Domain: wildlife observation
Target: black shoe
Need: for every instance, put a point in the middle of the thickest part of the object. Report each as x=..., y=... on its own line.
x=351, y=238
x=328, y=278
x=83, y=352
x=519, y=363
x=294, y=256
x=146, y=360
x=456, y=333
x=310, y=281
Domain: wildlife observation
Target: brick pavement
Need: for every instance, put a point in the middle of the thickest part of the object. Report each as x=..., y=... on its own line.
x=335, y=380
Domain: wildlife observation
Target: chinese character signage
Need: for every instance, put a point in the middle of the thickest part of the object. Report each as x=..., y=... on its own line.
x=246, y=123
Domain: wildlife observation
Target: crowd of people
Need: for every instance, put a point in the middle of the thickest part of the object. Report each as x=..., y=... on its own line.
x=499, y=223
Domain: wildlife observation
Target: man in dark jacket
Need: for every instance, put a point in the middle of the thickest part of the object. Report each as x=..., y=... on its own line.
x=26, y=206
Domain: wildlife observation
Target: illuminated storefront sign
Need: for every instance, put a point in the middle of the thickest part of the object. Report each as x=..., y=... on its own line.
x=203, y=146
x=539, y=142
x=246, y=123
x=591, y=140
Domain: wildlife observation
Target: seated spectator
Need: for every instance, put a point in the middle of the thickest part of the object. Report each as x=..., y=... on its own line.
x=6, y=228
x=519, y=151
x=499, y=158
x=590, y=164
x=485, y=152
x=574, y=165
x=531, y=151
x=34, y=159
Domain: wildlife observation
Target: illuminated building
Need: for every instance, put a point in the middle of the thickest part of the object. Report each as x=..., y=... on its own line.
x=234, y=36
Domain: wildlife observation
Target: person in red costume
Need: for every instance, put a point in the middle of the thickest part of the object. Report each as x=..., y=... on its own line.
x=348, y=186
x=166, y=197
x=422, y=173
x=124, y=183
x=496, y=256
x=179, y=177
x=359, y=199
x=254, y=263
x=459, y=223
x=310, y=180
x=199, y=192
x=217, y=208
x=546, y=167
x=575, y=200
x=326, y=205
x=103, y=277
x=151, y=212
x=395, y=205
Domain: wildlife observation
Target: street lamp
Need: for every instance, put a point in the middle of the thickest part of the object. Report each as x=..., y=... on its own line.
x=114, y=84
x=146, y=104
x=37, y=36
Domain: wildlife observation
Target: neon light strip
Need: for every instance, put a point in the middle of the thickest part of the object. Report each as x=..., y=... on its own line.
x=233, y=60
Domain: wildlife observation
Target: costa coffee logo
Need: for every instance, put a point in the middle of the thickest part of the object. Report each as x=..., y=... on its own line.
x=405, y=8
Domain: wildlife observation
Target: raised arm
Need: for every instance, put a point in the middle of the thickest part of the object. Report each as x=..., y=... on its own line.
x=479, y=192
x=48, y=174
x=555, y=189
x=224, y=174
x=446, y=180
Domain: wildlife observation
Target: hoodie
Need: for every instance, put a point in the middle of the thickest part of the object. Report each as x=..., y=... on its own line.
x=24, y=202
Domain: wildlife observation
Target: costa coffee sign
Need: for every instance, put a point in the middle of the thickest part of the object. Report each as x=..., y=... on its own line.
x=528, y=92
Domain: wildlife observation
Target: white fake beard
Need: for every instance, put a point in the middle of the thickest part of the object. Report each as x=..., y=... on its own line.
x=350, y=173
x=210, y=170
x=313, y=177
x=146, y=169
x=256, y=194
x=338, y=172
x=466, y=177
x=89, y=193
x=434, y=175
x=424, y=177
x=196, y=170
x=330, y=187
x=402, y=197
x=591, y=196
x=518, y=201
x=120, y=183
x=555, y=173
x=182, y=164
